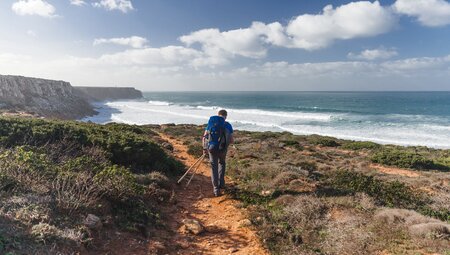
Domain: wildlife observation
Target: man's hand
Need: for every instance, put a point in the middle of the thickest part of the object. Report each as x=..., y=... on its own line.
x=205, y=151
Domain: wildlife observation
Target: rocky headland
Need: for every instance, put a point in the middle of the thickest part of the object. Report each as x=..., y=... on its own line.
x=54, y=99
x=97, y=94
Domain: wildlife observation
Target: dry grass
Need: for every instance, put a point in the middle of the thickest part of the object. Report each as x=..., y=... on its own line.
x=75, y=191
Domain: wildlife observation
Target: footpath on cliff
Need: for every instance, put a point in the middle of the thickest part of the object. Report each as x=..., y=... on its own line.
x=223, y=227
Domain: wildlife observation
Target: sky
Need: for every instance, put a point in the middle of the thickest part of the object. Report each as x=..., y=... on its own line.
x=211, y=45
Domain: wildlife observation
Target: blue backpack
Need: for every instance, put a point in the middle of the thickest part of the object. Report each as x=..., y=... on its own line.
x=216, y=134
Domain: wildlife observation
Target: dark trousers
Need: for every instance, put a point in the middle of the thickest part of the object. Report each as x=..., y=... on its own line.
x=218, y=164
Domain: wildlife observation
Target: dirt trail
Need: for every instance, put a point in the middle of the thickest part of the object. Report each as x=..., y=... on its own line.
x=225, y=233
x=395, y=171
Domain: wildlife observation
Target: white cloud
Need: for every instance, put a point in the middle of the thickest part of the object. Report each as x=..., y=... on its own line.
x=110, y=5
x=165, y=56
x=251, y=42
x=353, y=20
x=309, y=32
x=32, y=33
x=77, y=2
x=133, y=41
x=373, y=54
x=34, y=7
x=246, y=42
x=418, y=64
x=430, y=13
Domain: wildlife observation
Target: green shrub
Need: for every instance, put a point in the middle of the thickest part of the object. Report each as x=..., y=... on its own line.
x=264, y=135
x=128, y=146
x=6, y=182
x=28, y=169
x=118, y=183
x=153, y=177
x=404, y=159
x=293, y=143
x=307, y=165
x=391, y=194
x=195, y=149
x=86, y=163
x=323, y=141
x=443, y=214
x=358, y=145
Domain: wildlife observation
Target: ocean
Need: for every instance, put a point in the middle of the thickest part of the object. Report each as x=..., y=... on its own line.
x=402, y=118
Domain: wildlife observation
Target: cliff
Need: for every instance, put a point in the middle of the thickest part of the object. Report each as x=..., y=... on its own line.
x=108, y=93
x=47, y=98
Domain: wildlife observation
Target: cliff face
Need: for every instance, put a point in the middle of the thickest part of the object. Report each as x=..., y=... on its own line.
x=108, y=93
x=46, y=98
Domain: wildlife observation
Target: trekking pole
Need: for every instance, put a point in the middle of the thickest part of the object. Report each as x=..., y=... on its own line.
x=184, y=175
x=193, y=173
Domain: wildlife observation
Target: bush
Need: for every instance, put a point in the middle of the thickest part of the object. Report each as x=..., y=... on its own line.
x=358, y=145
x=153, y=177
x=128, y=146
x=27, y=169
x=44, y=232
x=265, y=135
x=323, y=141
x=118, y=183
x=293, y=143
x=391, y=194
x=6, y=182
x=195, y=149
x=76, y=190
x=307, y=165
x=403, y=159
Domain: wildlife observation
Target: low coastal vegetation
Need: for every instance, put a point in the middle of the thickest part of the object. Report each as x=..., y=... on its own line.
x=322, y=195
x=60, y=182
x=68, y=186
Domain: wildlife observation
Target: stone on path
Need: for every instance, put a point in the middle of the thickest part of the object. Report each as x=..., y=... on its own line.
x=191, y=226
x=93, y=222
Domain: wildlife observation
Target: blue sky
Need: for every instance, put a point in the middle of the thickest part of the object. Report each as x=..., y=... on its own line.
x=230, y=45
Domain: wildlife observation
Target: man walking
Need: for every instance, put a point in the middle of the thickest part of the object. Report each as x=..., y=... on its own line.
x=216, y=139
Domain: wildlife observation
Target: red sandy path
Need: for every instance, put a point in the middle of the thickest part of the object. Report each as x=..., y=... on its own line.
x=224, y=231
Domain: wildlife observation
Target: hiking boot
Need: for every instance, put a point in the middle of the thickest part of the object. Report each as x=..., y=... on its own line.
x=217, y=193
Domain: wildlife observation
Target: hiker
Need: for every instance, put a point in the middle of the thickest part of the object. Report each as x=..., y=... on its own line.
x=216, y=139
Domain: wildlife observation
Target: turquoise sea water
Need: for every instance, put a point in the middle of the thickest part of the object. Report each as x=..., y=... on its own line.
x=405, y=118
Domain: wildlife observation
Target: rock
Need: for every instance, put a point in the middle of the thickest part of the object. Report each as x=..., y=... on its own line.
x=281, y=145
x=245, y=223
x=192, y=226
x=233, y=250
x=93, y=222
x=156, y=247
x=167, y=146
x=184, y=244
x=266, y=193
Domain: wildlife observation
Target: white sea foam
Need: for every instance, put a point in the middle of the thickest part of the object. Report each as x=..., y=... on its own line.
x=385, y=129
x=159, y=103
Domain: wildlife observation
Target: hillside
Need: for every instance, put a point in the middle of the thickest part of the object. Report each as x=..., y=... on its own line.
x=288, y=194
x=110, y=179
x=321, y=195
